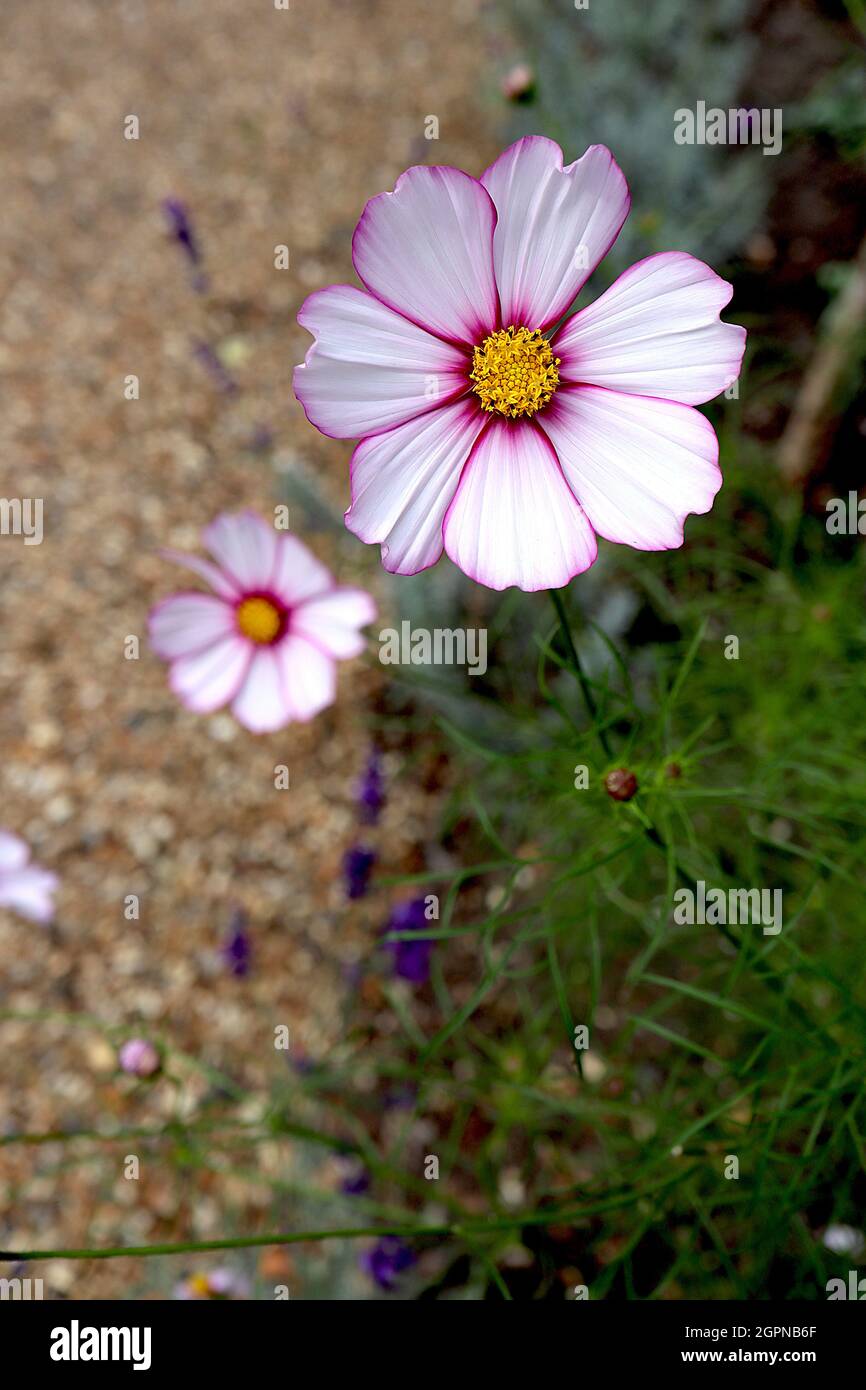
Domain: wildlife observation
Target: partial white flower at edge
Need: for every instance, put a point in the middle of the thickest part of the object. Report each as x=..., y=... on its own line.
x=844, y=1240
x=24, y=887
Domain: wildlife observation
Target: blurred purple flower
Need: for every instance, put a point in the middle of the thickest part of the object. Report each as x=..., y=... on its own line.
x=400, y=1098
x=353, y=974
x=237, y=949
x=371, y=790
x=138, y=1057
x=222, y=379
x=387, y=1260
x=357, y=866
x=411, y=958
x=261, y=439
x=180, y=227
x=357, y=1180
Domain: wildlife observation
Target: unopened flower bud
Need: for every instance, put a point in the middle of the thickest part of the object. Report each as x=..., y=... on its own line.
x=519, y=83
x=621, y=784
x=139, y=1057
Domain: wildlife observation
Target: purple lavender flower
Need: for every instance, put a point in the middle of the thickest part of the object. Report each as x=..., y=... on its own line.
x=353, y=974
x=181, y=230
x=411, y=958
x=357, y=866
x=400, y=1097
x=387, y=1260
x=261, y=439
x=221, y=378
x=237, y=949
x=371, y=790
x=180, y=227
x=357, y=1180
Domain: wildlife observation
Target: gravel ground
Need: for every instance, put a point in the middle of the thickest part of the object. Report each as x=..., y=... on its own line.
x=273, y=127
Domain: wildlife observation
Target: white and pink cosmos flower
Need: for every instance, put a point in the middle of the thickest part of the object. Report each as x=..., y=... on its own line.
x=24, y=887
x=490, y=428
x=267, y=640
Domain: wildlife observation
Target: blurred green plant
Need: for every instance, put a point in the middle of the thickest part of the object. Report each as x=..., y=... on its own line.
x=606, y=1166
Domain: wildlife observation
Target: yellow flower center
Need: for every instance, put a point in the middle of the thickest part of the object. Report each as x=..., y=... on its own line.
x=259, y=619
x=514, y=372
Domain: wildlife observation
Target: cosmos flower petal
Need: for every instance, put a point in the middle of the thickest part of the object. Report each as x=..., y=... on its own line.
x=514, y=520
x=370, y=368
x=245, y=546
x=187, y=623
x=638, y=466
x=209, y=679
x=262, y=703
x=426, y=250
x=554, y=225
x=28, y=891
x=403, y=483
x=221, y=583
x=14, y=852
x=656, y=332
x=297, y=574
x=309, y=676
x=331, y=621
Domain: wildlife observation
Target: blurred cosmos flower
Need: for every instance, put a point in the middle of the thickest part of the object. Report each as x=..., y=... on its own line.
x=518, y=84
x=267, y=640
x=479, y=433
x=371, y=789
x=237, y=948
x=357, y=866
x=217, y=1283
x=24, y=887
x=139, y=1057
x=411, y=958
x=387, y=1260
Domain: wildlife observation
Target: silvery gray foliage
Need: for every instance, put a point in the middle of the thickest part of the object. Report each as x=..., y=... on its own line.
x=614, y=74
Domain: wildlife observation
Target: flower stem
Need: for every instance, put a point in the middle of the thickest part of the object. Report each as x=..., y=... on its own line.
x=586, y=689
x=464, y=1230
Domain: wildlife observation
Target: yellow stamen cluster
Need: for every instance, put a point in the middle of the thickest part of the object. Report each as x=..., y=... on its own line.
x=259, y=619
x=514, y=372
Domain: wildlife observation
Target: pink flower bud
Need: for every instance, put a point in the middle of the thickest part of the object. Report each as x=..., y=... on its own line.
x=519, y=83
x=139, y=1057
